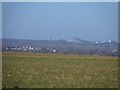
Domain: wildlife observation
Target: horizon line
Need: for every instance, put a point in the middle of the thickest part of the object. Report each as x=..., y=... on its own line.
x=58, y=39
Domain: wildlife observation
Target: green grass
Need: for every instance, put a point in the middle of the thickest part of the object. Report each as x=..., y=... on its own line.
x=29, y=70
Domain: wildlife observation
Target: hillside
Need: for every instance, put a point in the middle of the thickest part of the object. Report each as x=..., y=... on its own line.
x=75, y=45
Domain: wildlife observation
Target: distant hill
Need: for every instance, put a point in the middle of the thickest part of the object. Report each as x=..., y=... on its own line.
x=73, y=45
x=75, y=40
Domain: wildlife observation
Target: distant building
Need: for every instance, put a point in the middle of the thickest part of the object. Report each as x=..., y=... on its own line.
x=54, y=51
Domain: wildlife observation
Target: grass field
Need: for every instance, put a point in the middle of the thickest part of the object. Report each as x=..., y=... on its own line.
x=30, y=70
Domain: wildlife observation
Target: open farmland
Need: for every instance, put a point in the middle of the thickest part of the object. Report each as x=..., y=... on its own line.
x=33, y=70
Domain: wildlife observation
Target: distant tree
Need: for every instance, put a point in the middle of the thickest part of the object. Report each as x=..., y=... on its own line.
x=91, y=52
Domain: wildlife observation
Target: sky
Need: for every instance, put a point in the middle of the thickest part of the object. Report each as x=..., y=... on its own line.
x=44, y=20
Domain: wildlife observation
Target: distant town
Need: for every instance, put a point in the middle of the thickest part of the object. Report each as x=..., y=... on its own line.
x=70, y=46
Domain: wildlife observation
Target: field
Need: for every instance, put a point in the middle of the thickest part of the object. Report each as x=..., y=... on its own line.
x=33, y=70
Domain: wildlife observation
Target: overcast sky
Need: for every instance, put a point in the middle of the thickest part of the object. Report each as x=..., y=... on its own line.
x=88, y=21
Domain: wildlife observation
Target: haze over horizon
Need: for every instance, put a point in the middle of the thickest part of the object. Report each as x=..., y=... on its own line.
x=37, y=21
